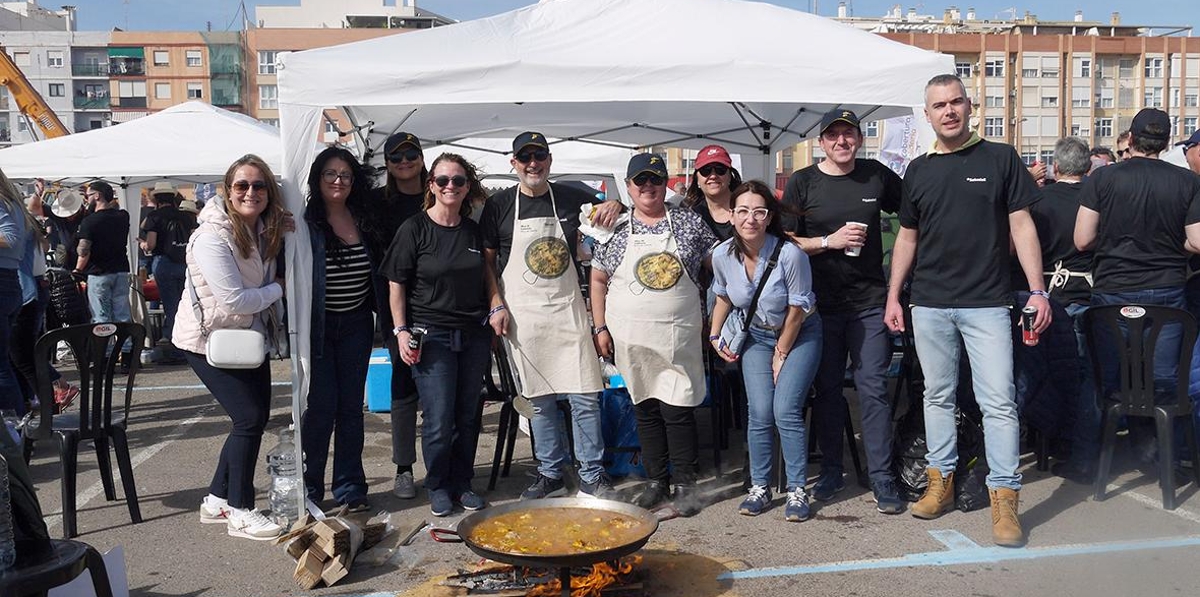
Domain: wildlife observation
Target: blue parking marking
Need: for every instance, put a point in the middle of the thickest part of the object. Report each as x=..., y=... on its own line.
x=964, y=551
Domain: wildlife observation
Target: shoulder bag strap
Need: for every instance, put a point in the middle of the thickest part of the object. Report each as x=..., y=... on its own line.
x=762, y=282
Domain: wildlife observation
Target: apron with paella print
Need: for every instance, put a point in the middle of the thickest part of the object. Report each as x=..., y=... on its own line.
x=549, y=330
x=653, y=312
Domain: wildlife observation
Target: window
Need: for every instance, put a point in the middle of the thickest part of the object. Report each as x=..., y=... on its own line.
x=1050, y=102
x=1189, y=125
x=1104, y=127
x=193, y=58
x=993, y=97
x=962, y=69
x=1078, y=130
x=1189, y=100
x=1049, y=73
x=1125, y=68
x=162, y=91
x=57, y=90
x=331, y=126
x=54, y=59
x=994, y=68
x=21, y=59
x=94, y=124
x=1104, y=99
x=689, y=164
x=1153, y=97
x=1029, y=73
x=1081, y=97
x=162, y=58
x=195, y=91
x=1048, y=158
x=1085, y=67
x=872, y=129
x=131, y=89
x=268, y=97
x=266, y=62
x=271, y=121
x=22, y=127
x=993, y=127
x=1154, y=68
x=1029, y=157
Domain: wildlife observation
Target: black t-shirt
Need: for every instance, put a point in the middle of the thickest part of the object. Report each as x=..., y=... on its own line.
x=1055, y=216
x=442, y=270
x=108, y=229
x=64, y=232
x=497, y=219
x=724, y=231
x=387, y=211
x=827, y=202
x=157, y=222
x=1144, y=204
x=959, y=204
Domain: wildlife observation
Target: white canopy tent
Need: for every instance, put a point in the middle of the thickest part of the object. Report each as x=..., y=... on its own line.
x=755, y=78
x=191, y=142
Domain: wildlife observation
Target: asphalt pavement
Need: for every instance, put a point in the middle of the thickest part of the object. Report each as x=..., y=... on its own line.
x=1125, y=545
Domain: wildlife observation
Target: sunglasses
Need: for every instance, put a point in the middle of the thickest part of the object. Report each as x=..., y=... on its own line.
x=242, y=186
x=457, y=180
x=653, y=179
x=1121, y=152
x=526, y=156
x=408, y=155
x=332, y=176
x=708, y=170
x=758, y=214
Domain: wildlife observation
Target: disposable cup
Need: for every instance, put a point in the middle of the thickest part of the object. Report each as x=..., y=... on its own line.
x=855, y=251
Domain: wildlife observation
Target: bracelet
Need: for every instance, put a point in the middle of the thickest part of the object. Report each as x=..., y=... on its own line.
x=714, y=338
x=825, y=242
x=600, y=330
x=1041, y=293
x=495, y=310
x=400, y=328
x=780, y=353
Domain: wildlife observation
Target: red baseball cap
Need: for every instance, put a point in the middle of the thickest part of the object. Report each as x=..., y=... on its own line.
x=713, y=154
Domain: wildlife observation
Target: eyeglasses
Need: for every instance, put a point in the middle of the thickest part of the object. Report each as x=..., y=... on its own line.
x=653, y=179
x=758, y=214
x=457, y=180
x=332, y=176
x=409, y=155
x=242, y=186
x=540, y=155
x=710, y=169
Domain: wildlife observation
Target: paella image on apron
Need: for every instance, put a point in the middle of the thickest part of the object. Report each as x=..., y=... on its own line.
x=548, y=257
x=658, y=271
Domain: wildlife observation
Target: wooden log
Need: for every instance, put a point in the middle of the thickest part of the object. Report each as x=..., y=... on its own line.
x=335, y=570
x=308, y=571
x=296, y=547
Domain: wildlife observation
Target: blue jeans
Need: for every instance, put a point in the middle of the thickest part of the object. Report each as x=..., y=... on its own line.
x=449, y=377
x=11, y=397
x=550, y=440
x=988, y=338
x=863, y=336
x=1085, y=446
x=335, y=400
x=779, y=405
x=108, y=296
x=169, y=276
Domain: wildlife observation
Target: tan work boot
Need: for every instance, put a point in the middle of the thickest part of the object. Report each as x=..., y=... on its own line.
x=938, y=496
x=1006, y=527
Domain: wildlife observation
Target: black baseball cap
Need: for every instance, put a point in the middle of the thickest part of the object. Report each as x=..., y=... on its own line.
x=839, y=115
x=530, y=138
x=646, y=162
x=397, y=142
x=1151, y=117
x=1190, y=141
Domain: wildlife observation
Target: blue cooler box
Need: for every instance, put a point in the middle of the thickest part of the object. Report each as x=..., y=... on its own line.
x=379, y=382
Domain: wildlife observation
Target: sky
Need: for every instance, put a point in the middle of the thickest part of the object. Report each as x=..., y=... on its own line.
x=196, y=15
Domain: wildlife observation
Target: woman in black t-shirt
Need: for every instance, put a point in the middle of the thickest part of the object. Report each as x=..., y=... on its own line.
x=442, y=300
x=709, y=190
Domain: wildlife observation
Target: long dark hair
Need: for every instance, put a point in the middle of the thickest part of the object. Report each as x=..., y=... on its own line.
x=314, y=211
x=774, y=207
x=474, y=187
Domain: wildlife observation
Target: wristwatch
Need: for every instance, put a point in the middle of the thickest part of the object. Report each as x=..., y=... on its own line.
x=400, y=328
x=825, y=242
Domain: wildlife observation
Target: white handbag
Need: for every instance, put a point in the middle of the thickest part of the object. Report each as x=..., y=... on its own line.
x=230, y=349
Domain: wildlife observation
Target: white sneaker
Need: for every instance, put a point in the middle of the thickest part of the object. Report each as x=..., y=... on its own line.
x=251, y=524
x=214, y=510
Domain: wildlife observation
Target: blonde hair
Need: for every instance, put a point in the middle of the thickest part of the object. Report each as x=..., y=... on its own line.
x=272, y=217
x=15, y=203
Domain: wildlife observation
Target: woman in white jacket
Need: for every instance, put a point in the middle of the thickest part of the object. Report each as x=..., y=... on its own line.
x=232, y=284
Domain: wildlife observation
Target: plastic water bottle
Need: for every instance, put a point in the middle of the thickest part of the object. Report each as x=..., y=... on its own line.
x=612, y=376
x=284, y=496
x=8, y=546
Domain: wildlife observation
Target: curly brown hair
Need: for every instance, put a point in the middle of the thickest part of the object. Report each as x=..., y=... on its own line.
x=272, y=217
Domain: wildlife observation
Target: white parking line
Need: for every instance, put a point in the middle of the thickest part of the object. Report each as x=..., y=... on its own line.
x=97, y=488
x=1156, y=504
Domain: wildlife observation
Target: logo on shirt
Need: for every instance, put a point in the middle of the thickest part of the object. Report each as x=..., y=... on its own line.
x=869, y=199
x=976, y=179
x=476, y=251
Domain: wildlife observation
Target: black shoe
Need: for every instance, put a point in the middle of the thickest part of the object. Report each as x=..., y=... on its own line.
x=602, y=489
x=652, y=494
x=545, y=487
x=687, y=499
x=1075, y=472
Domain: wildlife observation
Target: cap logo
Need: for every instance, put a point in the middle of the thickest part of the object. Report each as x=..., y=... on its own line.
x=408, y=137
x=712, y=152
x=845, y=114
x=533, y=136
x=654, y=160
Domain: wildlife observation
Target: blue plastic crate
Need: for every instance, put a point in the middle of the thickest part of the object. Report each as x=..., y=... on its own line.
x=379, y=382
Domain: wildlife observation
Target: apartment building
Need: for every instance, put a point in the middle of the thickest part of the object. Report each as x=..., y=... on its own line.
x=348, y=14
x=69, y=70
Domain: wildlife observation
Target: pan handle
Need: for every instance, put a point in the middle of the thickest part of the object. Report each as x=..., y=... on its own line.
x=445, y=535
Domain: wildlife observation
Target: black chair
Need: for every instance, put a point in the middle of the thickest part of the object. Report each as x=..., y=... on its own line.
x=1130, y=333
x=506, y=432
x=97, y=349
x=67, y=560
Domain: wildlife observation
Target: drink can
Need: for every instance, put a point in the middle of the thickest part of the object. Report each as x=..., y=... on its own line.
x=1029, y=335
x=416, y=337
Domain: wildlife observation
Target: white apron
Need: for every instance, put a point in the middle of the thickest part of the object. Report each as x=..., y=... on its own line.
x=549, y=331
x=653, y=313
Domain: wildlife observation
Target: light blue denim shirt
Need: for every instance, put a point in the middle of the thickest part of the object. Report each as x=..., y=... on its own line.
x=790, y=283
x=13, y=231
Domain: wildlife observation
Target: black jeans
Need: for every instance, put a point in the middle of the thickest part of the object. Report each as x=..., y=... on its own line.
x=25, y=333
x=667, y=433
x=245, y=394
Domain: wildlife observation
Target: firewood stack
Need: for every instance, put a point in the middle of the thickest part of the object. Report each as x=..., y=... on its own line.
x=324, y=550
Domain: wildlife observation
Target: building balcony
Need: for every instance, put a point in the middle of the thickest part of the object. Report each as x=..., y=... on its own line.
x=93, y=103
x=92, y=69
x=129, y=102
x=125, y=68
